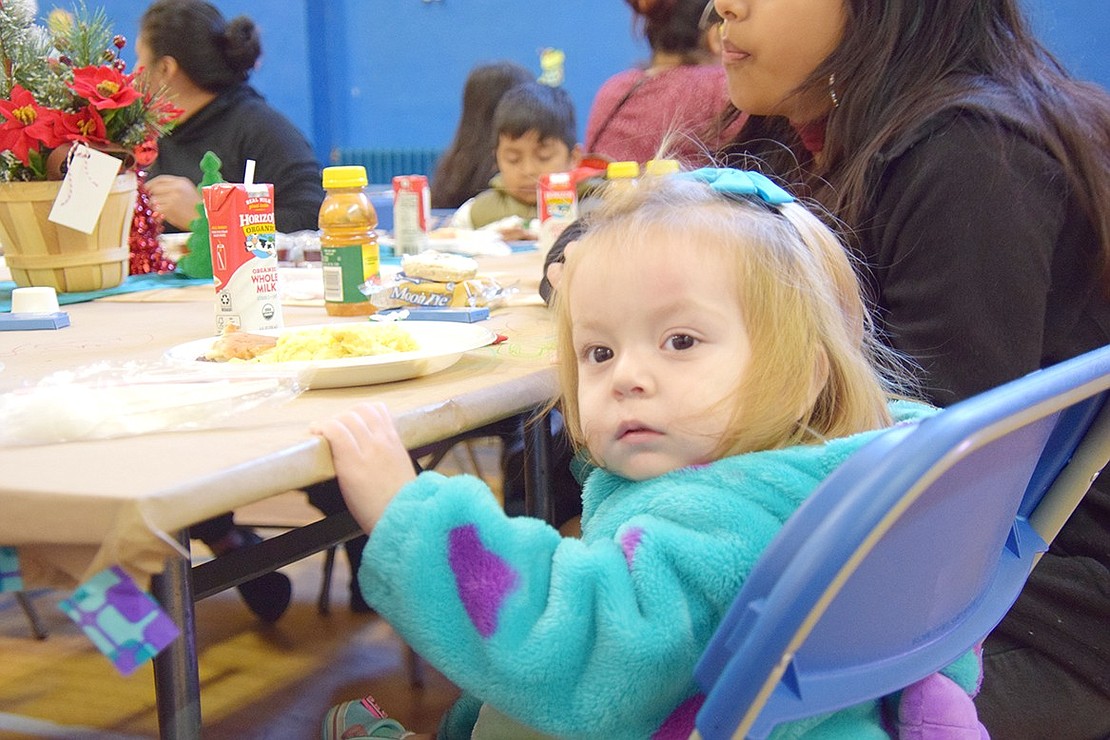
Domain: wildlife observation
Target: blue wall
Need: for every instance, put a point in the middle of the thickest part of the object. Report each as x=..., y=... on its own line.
x=389, y=73
x=403, y=77
x=284, y=77
x=1077, y=32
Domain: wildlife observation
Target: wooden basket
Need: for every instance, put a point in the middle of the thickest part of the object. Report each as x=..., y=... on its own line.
x=40, y=252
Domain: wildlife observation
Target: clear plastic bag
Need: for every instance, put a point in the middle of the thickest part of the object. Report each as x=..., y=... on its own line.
x=106, y=400
x=298, y=248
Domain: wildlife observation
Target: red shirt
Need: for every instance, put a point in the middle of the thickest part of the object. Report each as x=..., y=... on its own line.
x=685, y=99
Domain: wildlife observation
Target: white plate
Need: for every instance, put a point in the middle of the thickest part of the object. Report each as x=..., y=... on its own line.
x=441, y=344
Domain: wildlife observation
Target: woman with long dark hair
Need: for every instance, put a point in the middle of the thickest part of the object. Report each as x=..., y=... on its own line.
x=468, y=164
x=971, y=174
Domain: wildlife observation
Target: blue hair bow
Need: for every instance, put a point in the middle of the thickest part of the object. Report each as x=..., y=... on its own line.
x=740, y=182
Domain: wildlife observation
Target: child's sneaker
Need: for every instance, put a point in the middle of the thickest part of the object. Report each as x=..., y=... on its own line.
x=360, y=718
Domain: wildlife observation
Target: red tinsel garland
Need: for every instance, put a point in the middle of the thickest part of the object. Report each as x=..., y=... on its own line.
x=146, y=227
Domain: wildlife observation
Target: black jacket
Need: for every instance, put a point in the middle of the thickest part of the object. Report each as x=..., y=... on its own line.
x=983, y=268
x=239, y=125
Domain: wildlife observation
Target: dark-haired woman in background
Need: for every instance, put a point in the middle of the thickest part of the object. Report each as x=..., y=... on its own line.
x=973, y=176
x=468, y=164
x=676, y=97
x=203, y=62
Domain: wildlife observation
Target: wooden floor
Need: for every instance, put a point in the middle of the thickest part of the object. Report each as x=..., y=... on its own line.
x=257, y=681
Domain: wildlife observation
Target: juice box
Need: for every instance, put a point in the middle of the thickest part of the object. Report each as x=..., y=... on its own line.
x=412, y=210
x=556, y=206
x=244, y=255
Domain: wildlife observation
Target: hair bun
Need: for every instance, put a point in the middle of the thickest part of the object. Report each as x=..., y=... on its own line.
x=242, y=44
x=653, y=9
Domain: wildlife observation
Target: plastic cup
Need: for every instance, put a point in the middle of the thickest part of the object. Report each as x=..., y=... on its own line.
x=34, y=300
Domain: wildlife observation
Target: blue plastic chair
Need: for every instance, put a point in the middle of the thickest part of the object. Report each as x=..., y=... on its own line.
x=908, y=554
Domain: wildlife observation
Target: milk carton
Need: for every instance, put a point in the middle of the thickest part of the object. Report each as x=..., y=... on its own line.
x=244, y=255
x=556, y=206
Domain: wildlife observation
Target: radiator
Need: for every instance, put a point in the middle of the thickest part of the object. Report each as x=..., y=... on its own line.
x=382, y=164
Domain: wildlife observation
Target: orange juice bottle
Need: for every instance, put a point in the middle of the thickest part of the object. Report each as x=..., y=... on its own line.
x=348, y=243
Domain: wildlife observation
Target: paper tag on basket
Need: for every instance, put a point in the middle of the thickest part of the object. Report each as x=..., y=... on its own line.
x=124, y=623
x=85, y=188
x=11, y=578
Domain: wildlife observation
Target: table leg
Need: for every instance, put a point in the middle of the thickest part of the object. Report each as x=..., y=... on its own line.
x=37, y=627
x=176, y=676
x=538, y=499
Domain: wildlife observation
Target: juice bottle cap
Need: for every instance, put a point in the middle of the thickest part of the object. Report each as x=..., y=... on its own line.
x=617, y=170
x=345, y=176
x=661, y=167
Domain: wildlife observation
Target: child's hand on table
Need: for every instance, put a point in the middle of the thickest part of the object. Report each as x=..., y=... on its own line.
x=370, y=461
x=517, y=234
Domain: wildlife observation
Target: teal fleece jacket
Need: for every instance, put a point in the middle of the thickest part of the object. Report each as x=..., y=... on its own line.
x=598, y=636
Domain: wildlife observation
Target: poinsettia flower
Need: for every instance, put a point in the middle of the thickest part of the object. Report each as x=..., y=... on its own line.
x=92, y=100
x=104, y=87
x=27, y=125
x=84, y=125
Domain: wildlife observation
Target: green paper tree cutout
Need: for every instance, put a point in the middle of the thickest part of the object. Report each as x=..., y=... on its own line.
x=198, y=262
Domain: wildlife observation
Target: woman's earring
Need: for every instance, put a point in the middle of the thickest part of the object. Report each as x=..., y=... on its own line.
x=832, y=90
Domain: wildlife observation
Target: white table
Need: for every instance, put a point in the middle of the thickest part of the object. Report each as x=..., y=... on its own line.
x=74, y=509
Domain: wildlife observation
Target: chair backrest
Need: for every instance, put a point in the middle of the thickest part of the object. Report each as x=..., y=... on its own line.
x=909, y=553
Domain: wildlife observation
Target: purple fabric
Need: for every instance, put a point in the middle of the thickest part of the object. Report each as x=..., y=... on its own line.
x=129, y=603
x=680, y=724
x=124, y=623
x=936, y=708
x=483, y=579
x=630, y=540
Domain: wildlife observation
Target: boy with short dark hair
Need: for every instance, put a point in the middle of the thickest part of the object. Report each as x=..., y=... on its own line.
x=536, y=135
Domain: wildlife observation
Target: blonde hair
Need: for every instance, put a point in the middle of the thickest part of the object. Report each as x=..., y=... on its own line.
x=816, y=370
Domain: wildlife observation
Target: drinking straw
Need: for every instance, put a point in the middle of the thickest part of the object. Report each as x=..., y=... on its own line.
x=248, y=176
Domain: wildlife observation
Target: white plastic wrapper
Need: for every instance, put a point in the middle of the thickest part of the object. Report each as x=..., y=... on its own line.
x=403, y=291
x=104, y=401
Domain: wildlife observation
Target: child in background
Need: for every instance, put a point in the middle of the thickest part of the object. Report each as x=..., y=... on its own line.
x=533, y=133
x=536, y=135
x=467, y=165
x=715, y=365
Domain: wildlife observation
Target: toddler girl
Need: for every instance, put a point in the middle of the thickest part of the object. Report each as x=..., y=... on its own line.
x=715, y=364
